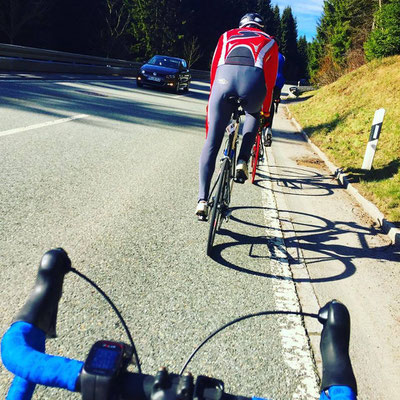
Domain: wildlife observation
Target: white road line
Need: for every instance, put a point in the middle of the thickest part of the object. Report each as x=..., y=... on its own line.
x=42, y=125
x=293, y=335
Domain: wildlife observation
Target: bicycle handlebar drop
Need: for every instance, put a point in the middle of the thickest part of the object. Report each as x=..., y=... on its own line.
x=23, y=345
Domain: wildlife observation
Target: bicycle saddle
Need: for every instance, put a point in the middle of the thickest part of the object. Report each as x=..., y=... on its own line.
x=236, y=100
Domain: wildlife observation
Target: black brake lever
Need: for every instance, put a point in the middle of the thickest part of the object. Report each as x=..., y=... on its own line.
x=42, y=305
x=335, y=338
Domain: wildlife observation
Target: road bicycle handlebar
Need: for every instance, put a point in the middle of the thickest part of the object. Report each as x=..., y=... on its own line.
x=23, y=346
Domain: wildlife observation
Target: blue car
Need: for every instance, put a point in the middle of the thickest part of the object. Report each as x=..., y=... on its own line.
x=165, y=72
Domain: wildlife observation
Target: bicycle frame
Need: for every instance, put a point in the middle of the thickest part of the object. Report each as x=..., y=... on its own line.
x=220, y=194
x=230, y=150
x=257, y=152
x=231, y=147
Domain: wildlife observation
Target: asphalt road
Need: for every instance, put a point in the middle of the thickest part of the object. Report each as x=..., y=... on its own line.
x=109, y=172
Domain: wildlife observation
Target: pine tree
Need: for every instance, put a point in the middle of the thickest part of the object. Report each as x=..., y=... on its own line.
x=265, y=10
x=302, y=49
x=288, y=44
x=315, y=54
x=384, y=40
x=155, y=27
x=275, y=28
x=341, y=33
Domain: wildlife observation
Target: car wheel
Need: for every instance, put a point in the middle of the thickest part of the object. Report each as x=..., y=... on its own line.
x=139, y=84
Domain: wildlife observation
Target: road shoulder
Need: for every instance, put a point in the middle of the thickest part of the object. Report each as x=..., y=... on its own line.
x=338, y=251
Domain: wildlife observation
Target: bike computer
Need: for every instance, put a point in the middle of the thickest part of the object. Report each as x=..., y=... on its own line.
x=101, y=369
x=104, y=358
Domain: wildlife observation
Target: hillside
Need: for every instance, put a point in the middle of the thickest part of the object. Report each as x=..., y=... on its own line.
x=338, y=119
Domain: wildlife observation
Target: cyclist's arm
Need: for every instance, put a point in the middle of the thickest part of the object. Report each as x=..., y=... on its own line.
x=270, y=72
x=216, y=57
x=213, y=69
x=280, y=79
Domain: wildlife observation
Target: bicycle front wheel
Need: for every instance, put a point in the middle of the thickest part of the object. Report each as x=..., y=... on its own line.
x=255, y=154
x=217, y=205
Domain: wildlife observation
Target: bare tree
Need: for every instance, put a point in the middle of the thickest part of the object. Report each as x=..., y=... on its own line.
x=191, y=51
x=118, y=19
x=16, y=14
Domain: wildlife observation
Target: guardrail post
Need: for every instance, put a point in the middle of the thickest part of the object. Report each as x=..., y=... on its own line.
x=373, y=139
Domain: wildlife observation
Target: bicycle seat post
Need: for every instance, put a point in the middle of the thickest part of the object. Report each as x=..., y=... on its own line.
x=238, y=104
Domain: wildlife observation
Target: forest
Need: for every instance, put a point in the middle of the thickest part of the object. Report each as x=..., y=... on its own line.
x=349, y=32
x=138, y=29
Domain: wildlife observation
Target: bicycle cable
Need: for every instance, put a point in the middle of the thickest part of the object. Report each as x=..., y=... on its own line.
x=128, y=333
x=303, y=314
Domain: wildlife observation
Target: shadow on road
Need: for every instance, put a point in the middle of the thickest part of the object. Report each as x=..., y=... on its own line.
x=319, y=238
x=59, y=99
x=297, y=179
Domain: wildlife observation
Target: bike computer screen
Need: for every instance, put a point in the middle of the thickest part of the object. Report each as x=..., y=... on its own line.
x=104, y=358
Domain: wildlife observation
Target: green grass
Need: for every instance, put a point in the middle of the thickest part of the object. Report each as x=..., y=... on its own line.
x=338, y=119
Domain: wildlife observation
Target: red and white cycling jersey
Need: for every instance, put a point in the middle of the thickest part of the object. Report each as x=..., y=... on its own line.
x=248, y=46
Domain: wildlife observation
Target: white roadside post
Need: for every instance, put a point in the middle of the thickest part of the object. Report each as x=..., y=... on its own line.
x=373, y=139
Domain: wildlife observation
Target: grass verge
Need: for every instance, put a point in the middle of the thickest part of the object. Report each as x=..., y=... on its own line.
x=338, y=119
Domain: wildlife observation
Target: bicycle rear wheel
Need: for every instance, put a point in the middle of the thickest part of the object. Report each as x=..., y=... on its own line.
x=255, y=154
x=217, y=205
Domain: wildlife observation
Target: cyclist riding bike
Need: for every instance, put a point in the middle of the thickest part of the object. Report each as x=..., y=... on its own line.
x=276, y=99
x=244, y=65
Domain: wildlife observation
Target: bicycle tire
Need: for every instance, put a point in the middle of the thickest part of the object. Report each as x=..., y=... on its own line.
x=268, y=137
x=254, y=160
x=261, y=154
x=216, y=209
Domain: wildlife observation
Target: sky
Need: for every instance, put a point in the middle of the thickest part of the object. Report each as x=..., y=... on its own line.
x=306, y=12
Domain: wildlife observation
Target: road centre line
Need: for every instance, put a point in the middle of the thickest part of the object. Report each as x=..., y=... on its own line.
x=42, y=125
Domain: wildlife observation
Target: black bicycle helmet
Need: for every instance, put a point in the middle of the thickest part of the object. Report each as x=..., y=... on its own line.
x=253, y=20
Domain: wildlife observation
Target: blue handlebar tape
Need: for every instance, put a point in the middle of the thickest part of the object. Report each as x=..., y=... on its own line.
x=20, y=389
x=339, y=393
x=22, y=352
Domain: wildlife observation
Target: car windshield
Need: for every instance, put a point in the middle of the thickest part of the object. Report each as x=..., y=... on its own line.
x=164, y=62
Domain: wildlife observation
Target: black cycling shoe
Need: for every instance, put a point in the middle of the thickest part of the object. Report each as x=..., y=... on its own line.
x=240, y=177
x=268, y=138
